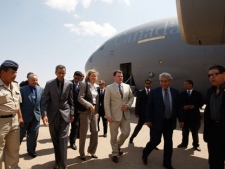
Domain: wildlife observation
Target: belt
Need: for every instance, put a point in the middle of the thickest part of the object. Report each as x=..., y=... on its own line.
x=7, y=116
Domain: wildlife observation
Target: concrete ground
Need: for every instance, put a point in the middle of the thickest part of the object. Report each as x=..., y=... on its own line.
x=182, y=158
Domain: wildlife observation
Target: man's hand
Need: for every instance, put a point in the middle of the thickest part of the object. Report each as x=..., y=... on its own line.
x=20, y=120
x=186, y=107
x=181, y=124
x=124, y=108
x=92, y=109
x=191, y=106
x=109, y=119
x=136, y=115
x=45, y=120
x=149, y=124
x=71, y=119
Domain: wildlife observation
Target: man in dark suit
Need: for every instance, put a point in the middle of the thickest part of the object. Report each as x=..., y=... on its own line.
x=140, y=108
x=161, y=112
x=190, y=103
x=57, y=111
x=214, y=117
x=24, y=83
x=75, y=124
x=30, y=107
x=101, y=93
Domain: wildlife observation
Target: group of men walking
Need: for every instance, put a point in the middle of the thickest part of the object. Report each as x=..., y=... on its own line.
x=159, y=108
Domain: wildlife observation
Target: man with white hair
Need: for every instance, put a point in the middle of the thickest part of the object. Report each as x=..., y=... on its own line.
x=161, y=112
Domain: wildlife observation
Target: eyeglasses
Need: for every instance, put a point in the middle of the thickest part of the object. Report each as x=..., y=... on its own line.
x=213, y=74
x=147, y=83
x=100, y=84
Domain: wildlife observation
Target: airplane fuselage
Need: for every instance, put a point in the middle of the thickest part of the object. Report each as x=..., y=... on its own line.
x=146, y=51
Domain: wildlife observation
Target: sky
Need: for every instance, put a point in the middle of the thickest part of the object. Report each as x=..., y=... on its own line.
x=41, y=34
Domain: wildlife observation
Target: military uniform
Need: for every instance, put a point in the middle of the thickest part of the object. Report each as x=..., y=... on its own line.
x=10, y=99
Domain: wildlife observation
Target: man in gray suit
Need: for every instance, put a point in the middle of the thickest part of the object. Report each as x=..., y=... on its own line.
x=30, y=107
x=57, y=111
x=117, y=102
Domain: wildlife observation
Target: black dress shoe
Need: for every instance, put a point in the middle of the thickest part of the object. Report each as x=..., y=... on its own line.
x=83, y=158
x=56, y=166
x=197, y=148
x=33, y=155
x=94, y=156
x=156, y=148
x=168, y=166
x=120, y=152
x=181, y=146
x=73, y=146
x=131, y=141
x=144, y=158
x=115, y=159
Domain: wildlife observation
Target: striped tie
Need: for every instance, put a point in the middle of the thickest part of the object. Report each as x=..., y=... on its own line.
x=121, y=93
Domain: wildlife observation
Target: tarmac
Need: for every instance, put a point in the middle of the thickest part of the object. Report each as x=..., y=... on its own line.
x=131, y=159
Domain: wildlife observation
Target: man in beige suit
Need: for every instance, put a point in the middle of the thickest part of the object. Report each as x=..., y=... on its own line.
x=117, y=102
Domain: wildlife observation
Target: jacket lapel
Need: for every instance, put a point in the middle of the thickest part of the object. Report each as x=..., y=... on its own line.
x=28, y=91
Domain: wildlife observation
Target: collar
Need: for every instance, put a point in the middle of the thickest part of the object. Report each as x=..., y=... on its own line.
x=167, y=89
x=121, y=84
x=60, y=81
x=190, y=90
x=147, y=89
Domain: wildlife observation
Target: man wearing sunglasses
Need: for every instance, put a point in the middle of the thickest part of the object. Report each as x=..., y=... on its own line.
x=74, y=131
x=214, y=117
x=140, y=109
x=190, y=102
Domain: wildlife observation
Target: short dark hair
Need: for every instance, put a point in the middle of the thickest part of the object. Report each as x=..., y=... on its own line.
x=218, y=67
x=148, y=80
x=59, y=67
x=117, y=71
x=28, y=74
x=190, y=82
x=77, y=73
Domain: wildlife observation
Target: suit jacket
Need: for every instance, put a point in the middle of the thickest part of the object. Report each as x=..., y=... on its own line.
x=101, y=102
x=52, y=102
x=113, y=101
x=207, y=118
x=28, y=108
x=75, y=96
x=89, y=102
x=194, y=99
x=141, y=102
x=155, y=109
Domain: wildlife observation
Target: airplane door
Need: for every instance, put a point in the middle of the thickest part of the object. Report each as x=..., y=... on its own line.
x=127, y=73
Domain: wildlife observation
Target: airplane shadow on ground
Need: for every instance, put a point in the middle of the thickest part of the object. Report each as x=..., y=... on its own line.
x=182, y=159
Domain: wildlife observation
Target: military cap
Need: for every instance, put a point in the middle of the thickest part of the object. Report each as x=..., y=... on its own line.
x=10, y=64
x=77, y=73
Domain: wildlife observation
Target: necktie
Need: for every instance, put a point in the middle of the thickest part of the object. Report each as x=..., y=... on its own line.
x=76, y=87
x=33, y=95
x=101, y=92
x=120, y=90
x=167, y=104
x=60, y=89
x=147, y=91
x=189, y=93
